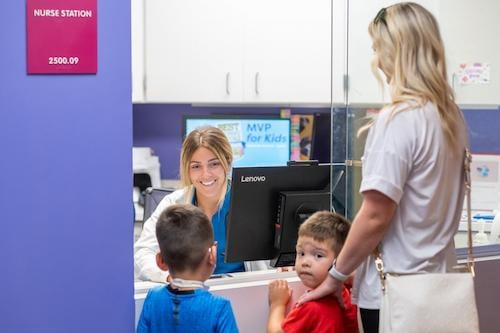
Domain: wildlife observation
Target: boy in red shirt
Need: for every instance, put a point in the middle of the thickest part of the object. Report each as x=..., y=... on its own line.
x=321, y=238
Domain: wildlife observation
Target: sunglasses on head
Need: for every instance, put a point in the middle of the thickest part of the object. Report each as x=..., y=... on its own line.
x=380, y=17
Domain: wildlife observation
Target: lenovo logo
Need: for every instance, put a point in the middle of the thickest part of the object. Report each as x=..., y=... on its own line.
x=253, y=179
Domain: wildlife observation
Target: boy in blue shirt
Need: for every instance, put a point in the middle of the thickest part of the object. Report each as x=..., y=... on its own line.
x=188, y=251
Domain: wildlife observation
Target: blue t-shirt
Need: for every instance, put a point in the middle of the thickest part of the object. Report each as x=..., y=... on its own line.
x=169, y=310
x=219, y=226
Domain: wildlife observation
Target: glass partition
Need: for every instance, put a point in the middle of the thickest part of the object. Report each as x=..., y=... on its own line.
x=473, y=66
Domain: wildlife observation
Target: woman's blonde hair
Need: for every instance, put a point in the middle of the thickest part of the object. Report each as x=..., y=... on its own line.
x=213, y=139
x=409, y=50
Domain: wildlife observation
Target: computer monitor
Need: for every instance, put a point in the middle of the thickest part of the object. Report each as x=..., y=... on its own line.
x=256, y=140
x=268, y=204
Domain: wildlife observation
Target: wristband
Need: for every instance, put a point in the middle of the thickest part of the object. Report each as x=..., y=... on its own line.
x=336, y=274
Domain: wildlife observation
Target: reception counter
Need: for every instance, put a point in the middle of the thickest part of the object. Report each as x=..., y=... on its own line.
x=247, y=292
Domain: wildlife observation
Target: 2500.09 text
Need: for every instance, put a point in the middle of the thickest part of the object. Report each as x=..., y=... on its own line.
x=63, y=60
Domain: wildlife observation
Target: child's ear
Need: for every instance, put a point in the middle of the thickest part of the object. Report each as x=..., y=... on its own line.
x=160, y=262
x=212, y=255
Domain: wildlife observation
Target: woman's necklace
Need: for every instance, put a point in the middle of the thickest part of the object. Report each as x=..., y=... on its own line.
x=181, y=283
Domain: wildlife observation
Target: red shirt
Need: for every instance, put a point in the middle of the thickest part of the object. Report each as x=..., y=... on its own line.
x=322, y=316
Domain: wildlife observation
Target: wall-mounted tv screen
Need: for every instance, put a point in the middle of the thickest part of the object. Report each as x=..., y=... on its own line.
x=256, y=140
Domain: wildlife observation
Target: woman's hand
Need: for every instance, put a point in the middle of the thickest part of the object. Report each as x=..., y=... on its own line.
x=327, y=287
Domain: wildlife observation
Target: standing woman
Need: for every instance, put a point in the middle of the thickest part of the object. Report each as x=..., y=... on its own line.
x=412, y=180
x=205, y=165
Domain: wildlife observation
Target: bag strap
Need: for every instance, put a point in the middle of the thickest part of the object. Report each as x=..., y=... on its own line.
x=470, y=254
x=379, y=263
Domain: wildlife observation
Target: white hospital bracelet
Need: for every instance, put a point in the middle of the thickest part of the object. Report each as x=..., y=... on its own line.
x=336, y=274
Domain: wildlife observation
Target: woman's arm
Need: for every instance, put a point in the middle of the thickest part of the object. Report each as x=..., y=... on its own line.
x=145, y=250
x=368, y=229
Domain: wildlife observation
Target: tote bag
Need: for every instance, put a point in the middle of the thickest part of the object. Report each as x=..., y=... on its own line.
x=432, y=302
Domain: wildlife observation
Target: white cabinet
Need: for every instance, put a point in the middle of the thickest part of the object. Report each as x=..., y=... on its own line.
x=286, y=56
x=193, y=51
x=469, y=30
x=238, y=51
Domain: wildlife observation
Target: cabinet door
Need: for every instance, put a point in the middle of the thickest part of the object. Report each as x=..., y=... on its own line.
x=470, y=31
x=193, y=51
x=287, y=51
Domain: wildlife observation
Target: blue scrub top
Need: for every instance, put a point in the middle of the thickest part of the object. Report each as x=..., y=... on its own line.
x=219, y=226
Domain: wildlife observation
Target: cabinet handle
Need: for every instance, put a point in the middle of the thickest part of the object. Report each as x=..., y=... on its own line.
x=257, y=74
x=228, y=76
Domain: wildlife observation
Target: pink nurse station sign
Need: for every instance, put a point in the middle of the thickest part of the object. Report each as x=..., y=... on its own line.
x=61, y=36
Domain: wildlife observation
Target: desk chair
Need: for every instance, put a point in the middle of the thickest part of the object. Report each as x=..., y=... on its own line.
x=152, y=197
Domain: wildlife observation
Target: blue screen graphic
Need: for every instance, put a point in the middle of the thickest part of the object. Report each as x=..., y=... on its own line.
x=255, y=142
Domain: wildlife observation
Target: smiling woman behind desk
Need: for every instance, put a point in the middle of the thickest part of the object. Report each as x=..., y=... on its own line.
x=205, y=164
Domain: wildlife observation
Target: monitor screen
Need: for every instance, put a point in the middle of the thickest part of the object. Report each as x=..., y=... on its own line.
x=268, y=204
x=256, y=140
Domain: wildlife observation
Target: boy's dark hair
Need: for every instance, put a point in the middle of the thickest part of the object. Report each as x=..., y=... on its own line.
x=184, y=234
x=326, y=226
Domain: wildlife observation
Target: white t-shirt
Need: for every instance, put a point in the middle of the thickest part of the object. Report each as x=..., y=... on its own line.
x=407, y=158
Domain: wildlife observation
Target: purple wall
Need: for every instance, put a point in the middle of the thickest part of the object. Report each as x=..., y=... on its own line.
x=66, y=179
x=159, y=126
x=484, y=126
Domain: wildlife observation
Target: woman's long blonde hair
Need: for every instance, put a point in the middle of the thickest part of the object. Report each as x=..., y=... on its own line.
x=410, y=52
x=213, y=139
